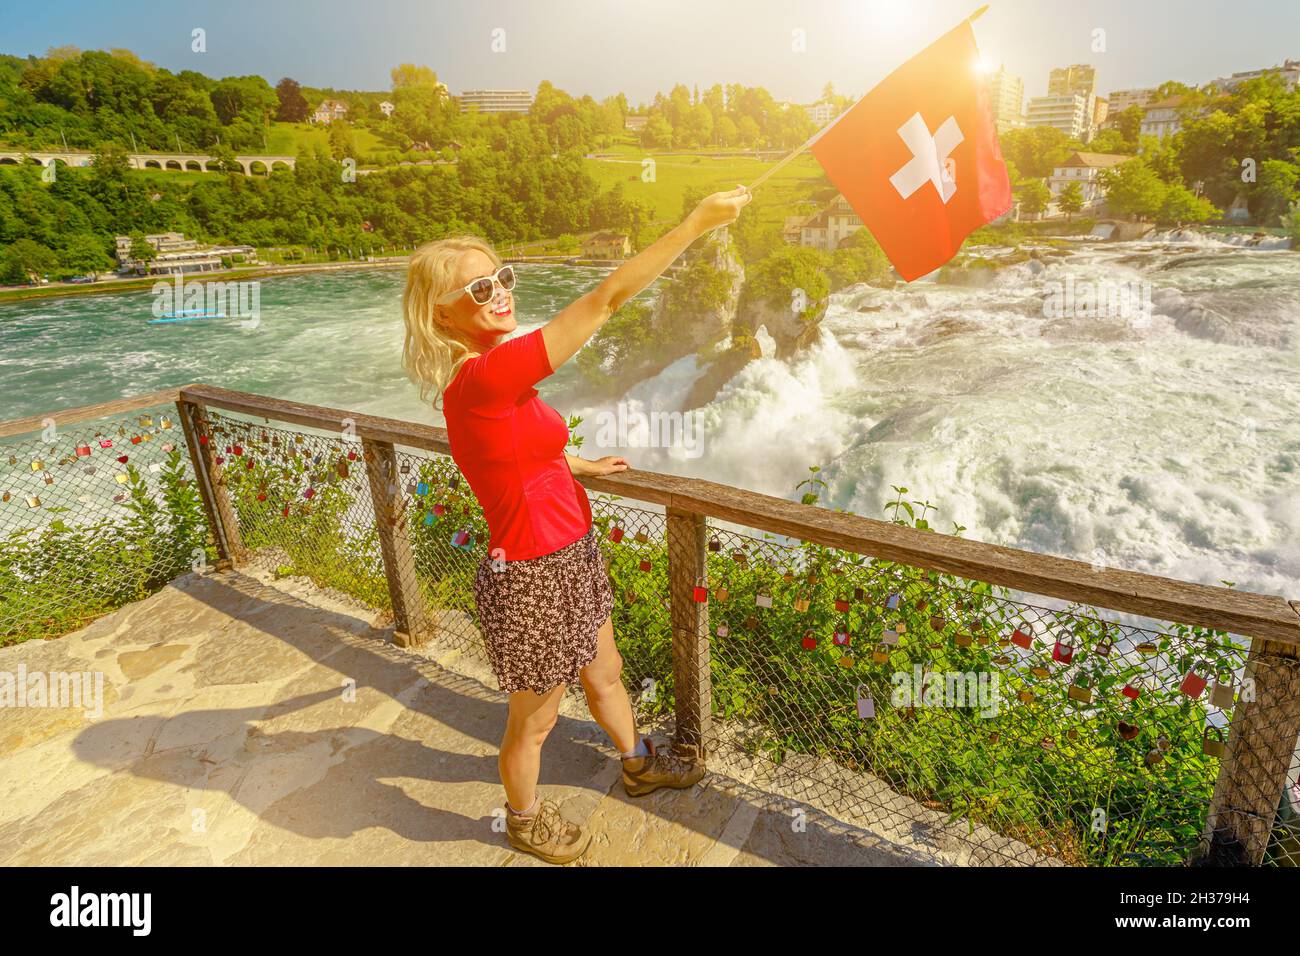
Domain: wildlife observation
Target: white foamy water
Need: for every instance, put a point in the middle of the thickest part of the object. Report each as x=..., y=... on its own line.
x=1168, y=443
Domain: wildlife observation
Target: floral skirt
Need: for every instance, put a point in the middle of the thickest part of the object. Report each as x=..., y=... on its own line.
x=539, y=616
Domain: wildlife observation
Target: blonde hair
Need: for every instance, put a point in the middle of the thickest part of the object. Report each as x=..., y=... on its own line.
x=431, y=355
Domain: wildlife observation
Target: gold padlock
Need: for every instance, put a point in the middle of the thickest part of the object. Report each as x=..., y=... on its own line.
x=801, y=604
x=963, y=640
x=880, y=655
x=721, y=594
x=1039, y=671
x=1213, y=748
x=1080, y=692
x=1026, y=696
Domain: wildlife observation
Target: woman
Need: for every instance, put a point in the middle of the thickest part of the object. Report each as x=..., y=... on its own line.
x=542, y=592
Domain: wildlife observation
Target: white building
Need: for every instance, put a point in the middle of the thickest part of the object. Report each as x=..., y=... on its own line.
x=829, y=227
x=1084, y=169
x=1072, y=114
x=820, y=113
x=496, y=101
x=1289, y=71
x=1121, y=100
x=1006, y=99
x=329, y=111
x=176, y=254
x=1163, y=118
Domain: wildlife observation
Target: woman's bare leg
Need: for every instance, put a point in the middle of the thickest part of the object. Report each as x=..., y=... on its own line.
x=530, y=719
x=602, y=681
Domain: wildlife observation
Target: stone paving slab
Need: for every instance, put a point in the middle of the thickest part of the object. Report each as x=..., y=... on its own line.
x=250, y=721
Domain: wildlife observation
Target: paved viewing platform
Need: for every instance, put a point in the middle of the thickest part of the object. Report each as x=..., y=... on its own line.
x=231, y=734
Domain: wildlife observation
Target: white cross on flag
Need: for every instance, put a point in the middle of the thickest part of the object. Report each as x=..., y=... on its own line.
x=918, y=157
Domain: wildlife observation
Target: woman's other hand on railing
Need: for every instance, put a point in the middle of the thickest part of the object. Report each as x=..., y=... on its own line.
x=720, y=209
x=582, y=468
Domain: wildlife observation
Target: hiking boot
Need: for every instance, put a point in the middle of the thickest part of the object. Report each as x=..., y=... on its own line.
x=663, y=768
x=546, y=834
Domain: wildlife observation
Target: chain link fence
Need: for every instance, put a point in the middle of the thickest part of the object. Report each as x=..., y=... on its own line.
x=1024, y=729
x=94, y=515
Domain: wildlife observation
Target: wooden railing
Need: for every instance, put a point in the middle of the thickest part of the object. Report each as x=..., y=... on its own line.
x=1252, y=773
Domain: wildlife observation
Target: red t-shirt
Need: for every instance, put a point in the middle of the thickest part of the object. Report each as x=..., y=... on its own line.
x=510, y=444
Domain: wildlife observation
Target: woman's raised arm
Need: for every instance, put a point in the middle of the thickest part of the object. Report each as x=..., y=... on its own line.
x=565, y=334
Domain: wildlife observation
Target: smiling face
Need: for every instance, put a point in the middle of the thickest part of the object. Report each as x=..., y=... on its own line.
x=478, y=326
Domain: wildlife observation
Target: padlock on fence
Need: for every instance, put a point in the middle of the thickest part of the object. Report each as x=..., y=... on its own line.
x=1224, y=693
x=1080, y=691
x=1216, y=747
x=700, y=593
x=866, y=704
x=1193, y=684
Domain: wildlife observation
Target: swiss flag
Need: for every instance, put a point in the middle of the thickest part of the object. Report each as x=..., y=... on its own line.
x=918, y=157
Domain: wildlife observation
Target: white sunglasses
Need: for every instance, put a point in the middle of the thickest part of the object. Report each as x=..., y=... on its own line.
x=482, y=289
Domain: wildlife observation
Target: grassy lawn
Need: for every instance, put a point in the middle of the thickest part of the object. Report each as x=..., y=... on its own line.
x=787, y=193
x=285, y=139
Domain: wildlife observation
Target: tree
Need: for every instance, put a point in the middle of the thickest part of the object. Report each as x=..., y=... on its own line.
x=1276, y=190
x=1033, y=195
x=1181, y=207
x=340, y=140
x=85, y=255
x=142, y=251
x=26, y=261
x=1133, y=189
x=293, y=105
x=1070, y=200
x=249, y=98
x=1129, y=123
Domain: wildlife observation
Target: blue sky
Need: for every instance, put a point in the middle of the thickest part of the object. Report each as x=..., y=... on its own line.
x=642, y=46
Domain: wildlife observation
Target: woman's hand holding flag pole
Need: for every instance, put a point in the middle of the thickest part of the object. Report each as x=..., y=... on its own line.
x=917, y=157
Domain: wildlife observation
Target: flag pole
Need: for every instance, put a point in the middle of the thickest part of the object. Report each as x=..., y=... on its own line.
x=825, y=129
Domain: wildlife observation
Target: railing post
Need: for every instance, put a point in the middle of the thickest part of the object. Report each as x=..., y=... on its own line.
x=687, y=564
x=410, y=624
x=212, y=487
x=1261, y=741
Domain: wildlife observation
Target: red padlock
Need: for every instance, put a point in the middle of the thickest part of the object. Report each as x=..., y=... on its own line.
x=108, y=442
x=842, y=638
x=700, y=594
x=1062, y=653
x=122, y=458
x=309, y=493
x=645, y=565
x=809, y=642
x=239, y=450
x=1021, y=639
x=841, y=605
x=439, y=509
x=83, y=451
x=616, y=534
x=1131, y=692
x=1193, y=685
